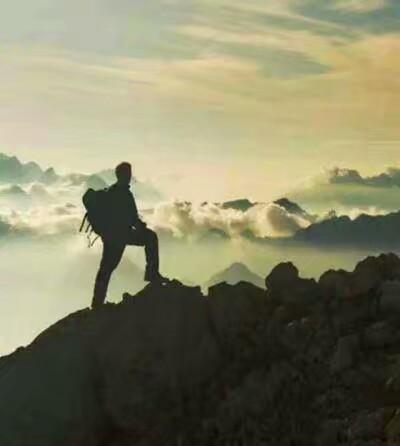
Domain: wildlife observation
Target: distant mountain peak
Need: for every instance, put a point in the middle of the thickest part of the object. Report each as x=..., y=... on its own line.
x=241, y=204
x=290, y=206
x=234, y=273
x=12, y=170
x=237, y=266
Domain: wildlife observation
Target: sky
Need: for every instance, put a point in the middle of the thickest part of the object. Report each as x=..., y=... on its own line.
x=212, y=99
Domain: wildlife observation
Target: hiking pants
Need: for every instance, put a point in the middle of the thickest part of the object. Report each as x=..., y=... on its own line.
x=113, y=250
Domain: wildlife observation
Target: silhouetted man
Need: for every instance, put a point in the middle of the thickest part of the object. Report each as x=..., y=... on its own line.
x=126, y=229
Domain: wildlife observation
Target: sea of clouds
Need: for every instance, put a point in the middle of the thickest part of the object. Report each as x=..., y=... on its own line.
x=177, y=219
x=52, y=205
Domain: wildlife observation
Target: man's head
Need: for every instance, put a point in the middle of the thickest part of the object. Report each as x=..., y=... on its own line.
x=123, y=173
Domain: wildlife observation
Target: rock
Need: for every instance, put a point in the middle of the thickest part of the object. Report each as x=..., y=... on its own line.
x=243, y=365
x=281, y=314
x=335, y=284
x=393, y=376
x=283, y=275
x=284, y=286
x=330, y=433
x=366, y=278
x=380, y=334
x=390, y=296
x=390, y=266
x=392, y=429
x=367, y=275
x=235, y=308
x=346, y=353
x=115, y=368
x=367, y=426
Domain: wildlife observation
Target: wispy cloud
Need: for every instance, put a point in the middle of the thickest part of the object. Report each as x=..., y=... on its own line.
x=360, y=5
x=209, y=81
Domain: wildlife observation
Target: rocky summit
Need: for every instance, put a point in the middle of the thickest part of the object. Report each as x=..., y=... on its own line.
x=304, y=362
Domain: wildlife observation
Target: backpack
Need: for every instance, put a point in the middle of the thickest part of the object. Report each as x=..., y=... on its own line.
x=98, y=213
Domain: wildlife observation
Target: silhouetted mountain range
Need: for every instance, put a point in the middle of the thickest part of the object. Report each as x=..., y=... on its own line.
x=13, y=171
x=294, y=209
x=25, y=185
x=303, y=362
x=365, y=230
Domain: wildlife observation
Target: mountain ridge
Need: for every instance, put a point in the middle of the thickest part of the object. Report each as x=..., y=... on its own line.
x=14, y=171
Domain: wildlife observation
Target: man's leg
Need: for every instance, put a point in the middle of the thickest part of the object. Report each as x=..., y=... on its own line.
x=112, y=254
x=147, y=238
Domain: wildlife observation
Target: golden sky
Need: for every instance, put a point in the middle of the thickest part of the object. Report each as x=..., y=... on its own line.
x=212, y=99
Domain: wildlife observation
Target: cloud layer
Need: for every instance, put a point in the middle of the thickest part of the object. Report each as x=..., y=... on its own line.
x=186, y=220
x=179, y=220
x=51, y=204
x=349, y=192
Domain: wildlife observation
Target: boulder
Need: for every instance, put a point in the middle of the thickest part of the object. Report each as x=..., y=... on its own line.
x=284, y=286
x=392, y=429
x=335, y=284
x=346, y=353
x=367, y=275
x=390, y=296
x=330, y=433
x=367, y=426
x=390, y=266
x=380, y=334
x=235, y=309
x=366, y=278
x=283, y=275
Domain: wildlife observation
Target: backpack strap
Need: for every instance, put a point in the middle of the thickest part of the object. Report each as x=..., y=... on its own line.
x=89, y=238
x=92, y=242
x=83, y=222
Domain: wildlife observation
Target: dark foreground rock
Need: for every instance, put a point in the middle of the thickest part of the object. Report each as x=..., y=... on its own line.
x=302, y=363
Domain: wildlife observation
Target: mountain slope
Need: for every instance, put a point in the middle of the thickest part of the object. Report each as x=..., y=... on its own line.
x=96, y=373
x=303, y=362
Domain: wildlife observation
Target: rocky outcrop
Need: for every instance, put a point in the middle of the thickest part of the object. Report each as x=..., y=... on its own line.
x=95, y=374
x=303, y=362
x=235, y=309
x=285, y=286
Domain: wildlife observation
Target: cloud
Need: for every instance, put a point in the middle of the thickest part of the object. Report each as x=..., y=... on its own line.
x=187, y=220
x=390, y=178
x=349, y=192
x=5, y=227
x=179, y=220
x=252, y=77
x=42, y=221
x=19, y=189
x=360, y=5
